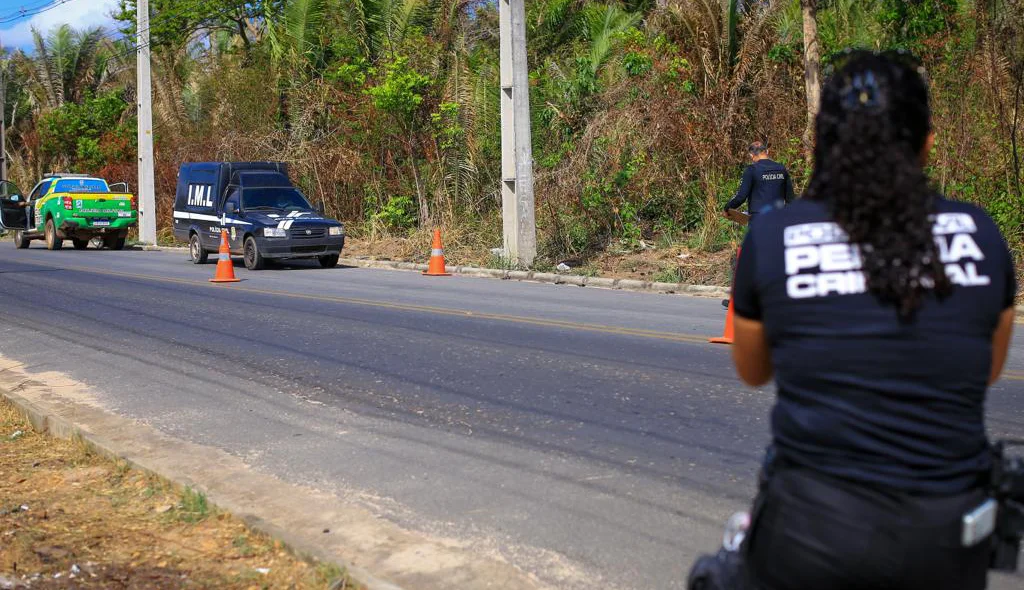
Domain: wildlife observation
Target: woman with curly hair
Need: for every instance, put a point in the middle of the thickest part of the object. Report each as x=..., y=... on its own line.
x=883, y=312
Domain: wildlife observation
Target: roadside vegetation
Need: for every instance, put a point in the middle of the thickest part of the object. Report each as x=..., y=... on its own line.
x=387, y=111
x=72, y=519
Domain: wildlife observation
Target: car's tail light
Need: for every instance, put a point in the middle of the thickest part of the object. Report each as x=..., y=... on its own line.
x=135, y=203
x=68, y=204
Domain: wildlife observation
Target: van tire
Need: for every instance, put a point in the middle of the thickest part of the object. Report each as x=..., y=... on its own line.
x=53, y=240
x=20, y=241
x=251, y=253
x=328, y=261
x=80, y=244
x=196, y=253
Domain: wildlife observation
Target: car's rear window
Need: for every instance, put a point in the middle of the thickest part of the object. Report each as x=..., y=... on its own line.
x=81, y=185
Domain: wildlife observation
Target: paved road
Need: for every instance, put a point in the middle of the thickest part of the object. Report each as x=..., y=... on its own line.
x=585, y=435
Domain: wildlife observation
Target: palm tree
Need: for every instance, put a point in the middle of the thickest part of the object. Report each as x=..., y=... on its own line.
x=382, y=25
x=295, y=33
x=601, y=25
x=296, y=48
x=67, y=65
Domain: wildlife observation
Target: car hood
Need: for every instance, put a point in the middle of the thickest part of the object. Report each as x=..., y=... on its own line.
x=311, y=218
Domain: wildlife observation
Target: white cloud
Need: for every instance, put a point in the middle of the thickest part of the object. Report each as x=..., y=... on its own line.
x=80, y=14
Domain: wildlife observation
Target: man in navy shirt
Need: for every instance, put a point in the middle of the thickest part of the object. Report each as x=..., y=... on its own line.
x=766, y=184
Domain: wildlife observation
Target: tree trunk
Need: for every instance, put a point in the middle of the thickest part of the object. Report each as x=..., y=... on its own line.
x=731, y=38
x=812, y=67
x=170, y=109
x=1014, y=147
x=421, y=197
x=284, y=113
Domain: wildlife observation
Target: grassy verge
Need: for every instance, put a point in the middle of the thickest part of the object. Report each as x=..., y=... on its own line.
x=671, y=263
x=70, y=518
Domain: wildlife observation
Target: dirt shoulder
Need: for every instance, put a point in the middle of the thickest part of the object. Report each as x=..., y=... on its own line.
x=666, y=263
x=72, y=519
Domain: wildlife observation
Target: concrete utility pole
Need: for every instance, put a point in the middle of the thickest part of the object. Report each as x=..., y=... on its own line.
x=3, y=116
x=517, y=203
x=146, y=190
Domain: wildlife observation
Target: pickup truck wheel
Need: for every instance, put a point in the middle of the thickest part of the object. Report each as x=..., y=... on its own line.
x=80, y=244
x=196, y=252
x=253, y=259
x=328, y=261
x=20, y=241
x=114, y=243
x=52, y=241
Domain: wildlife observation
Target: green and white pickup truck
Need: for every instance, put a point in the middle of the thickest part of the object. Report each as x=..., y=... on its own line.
x=68, y=206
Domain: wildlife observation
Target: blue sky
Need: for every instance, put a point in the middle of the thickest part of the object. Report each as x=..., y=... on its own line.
x=77, y=13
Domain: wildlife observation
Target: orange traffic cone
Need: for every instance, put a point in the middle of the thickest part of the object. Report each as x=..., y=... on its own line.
x=225, y=269
x=727, y=335
x=436, y=268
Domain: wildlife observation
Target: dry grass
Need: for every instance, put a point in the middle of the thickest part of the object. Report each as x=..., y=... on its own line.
x=675, y=263
x=665, y=265
x=72, y=519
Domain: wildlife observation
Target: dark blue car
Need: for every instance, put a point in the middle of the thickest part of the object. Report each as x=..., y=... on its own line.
x=266, y=217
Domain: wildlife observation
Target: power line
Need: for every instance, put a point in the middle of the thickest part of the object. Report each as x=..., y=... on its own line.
x=160, y=18
x=28, y=12
x=113, y=35
x=25, y=8
x=48, y=5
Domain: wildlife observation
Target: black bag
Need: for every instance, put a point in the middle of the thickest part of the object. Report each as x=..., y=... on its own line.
x=722, y=571
x=726, y=570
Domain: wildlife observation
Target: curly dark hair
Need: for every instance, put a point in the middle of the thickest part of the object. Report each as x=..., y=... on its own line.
x=873, y=124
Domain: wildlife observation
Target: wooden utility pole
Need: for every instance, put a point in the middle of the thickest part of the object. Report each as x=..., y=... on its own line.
x=517, y=202
x=146, y=190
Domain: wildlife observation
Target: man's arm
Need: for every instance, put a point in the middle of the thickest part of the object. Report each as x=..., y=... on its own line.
x=746, y=186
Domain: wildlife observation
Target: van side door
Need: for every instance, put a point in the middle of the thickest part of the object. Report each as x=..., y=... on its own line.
x=232, y=210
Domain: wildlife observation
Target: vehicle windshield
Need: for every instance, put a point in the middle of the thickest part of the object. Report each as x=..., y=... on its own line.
x=81, y=185
x=287, y=199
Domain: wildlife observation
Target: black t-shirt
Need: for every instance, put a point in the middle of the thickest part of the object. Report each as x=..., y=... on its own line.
x=862, y=395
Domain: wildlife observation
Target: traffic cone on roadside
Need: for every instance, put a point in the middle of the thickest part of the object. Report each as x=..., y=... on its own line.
x=436, y=267
x=225, y=269
x=727, y=335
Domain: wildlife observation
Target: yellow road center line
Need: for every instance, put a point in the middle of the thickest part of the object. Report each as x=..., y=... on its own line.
x=1007, y=375
x=407, y=307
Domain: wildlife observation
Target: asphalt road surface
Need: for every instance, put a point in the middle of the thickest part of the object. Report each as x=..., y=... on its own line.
x=588, y=436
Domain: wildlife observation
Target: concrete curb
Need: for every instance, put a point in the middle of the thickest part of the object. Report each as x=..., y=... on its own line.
x=552, y=278
x=523, y=275
x=249, y=496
